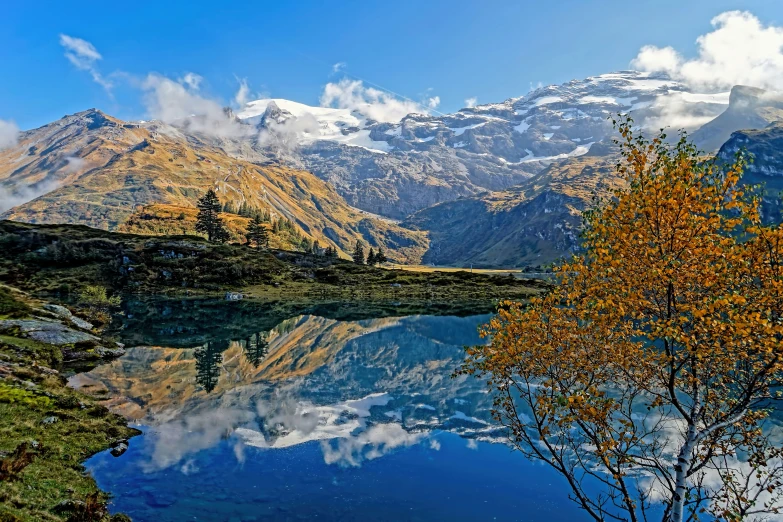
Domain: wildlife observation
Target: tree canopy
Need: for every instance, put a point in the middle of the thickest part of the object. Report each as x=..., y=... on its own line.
x=208, y=219
x=358, y=253
x=257, y=233
x=648, y=373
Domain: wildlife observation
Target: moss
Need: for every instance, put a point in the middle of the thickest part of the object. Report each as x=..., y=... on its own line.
x=15, y=395
x=11, y=307
x=20, y=349
x=76, y=427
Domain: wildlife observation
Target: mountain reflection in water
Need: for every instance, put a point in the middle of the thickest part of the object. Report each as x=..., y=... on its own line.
x=314, y=417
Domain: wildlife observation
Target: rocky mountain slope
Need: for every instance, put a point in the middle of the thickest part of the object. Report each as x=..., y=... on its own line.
x=766, y=169
x=749, y=108
x=98, y=170
x=499, y=184
x=395, y=169
x=533, y=223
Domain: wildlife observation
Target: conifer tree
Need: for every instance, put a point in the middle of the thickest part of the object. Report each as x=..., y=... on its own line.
x=371, y=259
x=358, y=253
x=208, y=219
x=380, y=256
x=208, y=358
x=257, y=233
x=256, y=347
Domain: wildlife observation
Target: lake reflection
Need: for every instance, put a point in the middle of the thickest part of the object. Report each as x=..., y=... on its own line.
x=316, y=417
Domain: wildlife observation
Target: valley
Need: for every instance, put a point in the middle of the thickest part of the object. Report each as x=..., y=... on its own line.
x=414, y=261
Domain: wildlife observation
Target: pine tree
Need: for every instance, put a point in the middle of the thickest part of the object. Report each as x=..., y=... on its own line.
x=257, y=233
x=358, y=253
x=208, y=220
x=380, y=256
x=256, y=347
x=317, y=248
x=208, y=358
x=371, y=259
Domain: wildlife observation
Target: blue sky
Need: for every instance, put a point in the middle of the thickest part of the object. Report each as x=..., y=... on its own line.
x=454, y=50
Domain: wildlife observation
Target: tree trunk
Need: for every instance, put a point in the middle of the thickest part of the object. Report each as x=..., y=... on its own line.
x=681, y=478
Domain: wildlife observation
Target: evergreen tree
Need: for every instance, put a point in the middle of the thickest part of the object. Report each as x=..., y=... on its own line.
x=317, y=248
x=358, y=253
x=208, y=357
x=256, y=347
x=371, y=259
x=380, y=256
x=257, y=233
x=229, y=208
x=208, y=219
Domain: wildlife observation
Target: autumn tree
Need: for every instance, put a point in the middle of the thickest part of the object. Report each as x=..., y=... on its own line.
x=208, y=219
x=646, y=376
x=358, y=253
x=256, y=233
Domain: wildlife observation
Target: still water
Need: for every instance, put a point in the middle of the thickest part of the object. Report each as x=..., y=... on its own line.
x=254, y=414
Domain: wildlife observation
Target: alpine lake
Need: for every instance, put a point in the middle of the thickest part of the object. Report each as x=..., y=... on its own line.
x=255, y=411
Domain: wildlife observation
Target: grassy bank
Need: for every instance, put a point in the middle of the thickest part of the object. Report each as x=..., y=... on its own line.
x=61, y=259
x=47, y=429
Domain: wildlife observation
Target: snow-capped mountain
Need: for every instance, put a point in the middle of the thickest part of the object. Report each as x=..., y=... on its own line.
x=397, y=168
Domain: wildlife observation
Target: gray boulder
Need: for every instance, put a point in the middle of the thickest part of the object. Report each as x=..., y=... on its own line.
x=64, y=313
x=49, y=332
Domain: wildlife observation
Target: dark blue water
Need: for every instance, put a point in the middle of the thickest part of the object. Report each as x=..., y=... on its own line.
x=314, y=418
x=456, y=481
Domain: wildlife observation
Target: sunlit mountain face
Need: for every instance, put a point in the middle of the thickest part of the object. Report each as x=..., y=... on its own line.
x=347, y=407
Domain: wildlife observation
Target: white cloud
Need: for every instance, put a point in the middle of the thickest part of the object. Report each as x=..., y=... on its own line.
x=657, y=59
x=83, y=55
x=243, y=93
x=177, y=440
x=675, y=110
x=15, y=196
x=285, y=135
x=74, y=164
x=9, y=134
x=370, y=444
x=368, y=101
x=471, y=102
x=179, y=103
x=192, y=80
x=739, y=51
x=433, y=102
x=339, y=66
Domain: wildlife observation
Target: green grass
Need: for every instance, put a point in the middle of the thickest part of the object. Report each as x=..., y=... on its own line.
x=30, y=391
x=10, y=306
x=63, y=259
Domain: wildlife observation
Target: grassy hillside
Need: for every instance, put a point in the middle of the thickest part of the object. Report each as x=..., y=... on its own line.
x=105, y=170
x=61, y=259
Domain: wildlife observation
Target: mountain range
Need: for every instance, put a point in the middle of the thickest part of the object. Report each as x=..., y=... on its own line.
x=500, y=184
